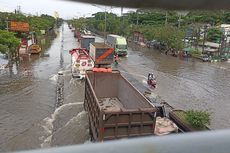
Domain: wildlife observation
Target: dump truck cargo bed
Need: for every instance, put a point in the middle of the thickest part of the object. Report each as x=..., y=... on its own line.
x=116, y=109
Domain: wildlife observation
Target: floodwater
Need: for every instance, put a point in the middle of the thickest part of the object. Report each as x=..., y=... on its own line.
x=183, y=83
x=27, y=114
x=29, y=119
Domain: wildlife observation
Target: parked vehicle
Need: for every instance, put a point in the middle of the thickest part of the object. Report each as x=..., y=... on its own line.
x=102, y=54
x=22, y=50
x=86, y=40
x=151, y=44
x=160, y=46
x=80, y=61
x=205, y=58
x=115, y=108
x=77, y=35
x=34, y=49
x=119, y=43
x=87, y=32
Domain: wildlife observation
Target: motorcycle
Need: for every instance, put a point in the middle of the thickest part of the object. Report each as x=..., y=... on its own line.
x=152, y=81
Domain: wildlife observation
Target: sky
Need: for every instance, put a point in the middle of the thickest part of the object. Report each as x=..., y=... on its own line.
x=66, y=9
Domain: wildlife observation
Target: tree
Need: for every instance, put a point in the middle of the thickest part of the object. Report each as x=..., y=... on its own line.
x=8, y=39
x=169, y=35
x=214, y=34
x=37, y=23
x=8, y=44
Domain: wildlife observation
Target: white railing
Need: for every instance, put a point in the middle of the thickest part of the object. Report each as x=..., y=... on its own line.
x=200, y=142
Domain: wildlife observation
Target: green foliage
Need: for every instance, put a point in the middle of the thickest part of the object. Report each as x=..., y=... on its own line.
x=196, y=52
x=169, y=35
x=3, y=49
x=37, y=23
x=214, y=34
x=43, y=22
x=8, y=39
x=80, y=24
x=209, y=17
x=158, y=24
x=198, y=119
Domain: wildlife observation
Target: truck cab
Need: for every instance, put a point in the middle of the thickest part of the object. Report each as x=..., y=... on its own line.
x=119, y=43
x=121, y=46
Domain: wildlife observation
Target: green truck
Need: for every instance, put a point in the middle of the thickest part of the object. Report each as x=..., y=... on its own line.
x=119, y=43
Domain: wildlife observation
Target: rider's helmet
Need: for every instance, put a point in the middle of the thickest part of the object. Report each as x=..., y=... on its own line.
x=151, y=76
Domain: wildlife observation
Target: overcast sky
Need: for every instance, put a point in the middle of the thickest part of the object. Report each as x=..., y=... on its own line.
x=66, y=9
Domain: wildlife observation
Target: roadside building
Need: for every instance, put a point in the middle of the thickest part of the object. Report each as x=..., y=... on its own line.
x=226, y=31
x=211, y=49
x=138, y=36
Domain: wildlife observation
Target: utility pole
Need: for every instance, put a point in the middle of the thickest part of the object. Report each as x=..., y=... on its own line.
x=7, y=24
x=205, y=30
x=179, y=20
x=105, y=26
x=105, y=21
x=122, y=20
x=222, y=45
x=18, y=9
x=166, y=18
x=137, y=17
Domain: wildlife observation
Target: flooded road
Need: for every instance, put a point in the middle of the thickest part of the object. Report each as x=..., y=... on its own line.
x=28, y=118
x=29, y=96
x=183, y=83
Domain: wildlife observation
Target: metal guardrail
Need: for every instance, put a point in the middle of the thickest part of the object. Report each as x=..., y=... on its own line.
x=199, y=142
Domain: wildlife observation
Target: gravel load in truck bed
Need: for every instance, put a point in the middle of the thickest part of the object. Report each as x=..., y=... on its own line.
x=110, y=104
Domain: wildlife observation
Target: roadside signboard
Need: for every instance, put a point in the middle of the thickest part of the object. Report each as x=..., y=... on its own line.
x=19, y=26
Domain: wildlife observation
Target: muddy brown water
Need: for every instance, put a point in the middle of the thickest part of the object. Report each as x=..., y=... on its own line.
x=185, y=83
x=28, y=119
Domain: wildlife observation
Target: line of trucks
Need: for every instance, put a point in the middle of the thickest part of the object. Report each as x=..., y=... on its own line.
x=116, y=109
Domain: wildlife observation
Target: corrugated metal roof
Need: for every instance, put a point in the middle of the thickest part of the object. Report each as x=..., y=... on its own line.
x=212, y=44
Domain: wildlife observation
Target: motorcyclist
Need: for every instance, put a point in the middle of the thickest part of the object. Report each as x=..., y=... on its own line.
x=116, y=58
x=152, y=80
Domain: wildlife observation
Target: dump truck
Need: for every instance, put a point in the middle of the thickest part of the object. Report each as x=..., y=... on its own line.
x=116, y=109
x=102, y=54
x=86, y=40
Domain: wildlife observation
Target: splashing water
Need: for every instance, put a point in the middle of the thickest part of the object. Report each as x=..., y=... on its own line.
x=67, y=125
